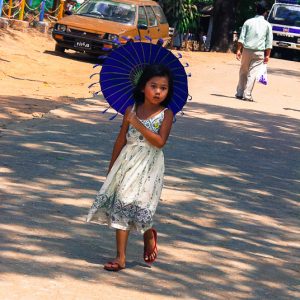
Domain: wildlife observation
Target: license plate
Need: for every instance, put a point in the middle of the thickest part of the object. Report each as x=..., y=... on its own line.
x=82, y=45
x=282, y=44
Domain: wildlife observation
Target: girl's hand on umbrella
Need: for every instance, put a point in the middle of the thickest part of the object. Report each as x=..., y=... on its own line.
x=132, y=118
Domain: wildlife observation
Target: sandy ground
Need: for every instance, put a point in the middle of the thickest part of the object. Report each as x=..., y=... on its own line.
x=229, y=216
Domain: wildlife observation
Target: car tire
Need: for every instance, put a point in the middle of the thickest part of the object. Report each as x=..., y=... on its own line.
x=59, y=49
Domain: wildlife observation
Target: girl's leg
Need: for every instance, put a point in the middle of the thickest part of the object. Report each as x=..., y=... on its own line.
x=121, y=241
x=149, y=244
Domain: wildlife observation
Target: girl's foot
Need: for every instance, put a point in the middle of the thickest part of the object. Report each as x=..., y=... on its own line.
x=115, y=265
x=150, y=246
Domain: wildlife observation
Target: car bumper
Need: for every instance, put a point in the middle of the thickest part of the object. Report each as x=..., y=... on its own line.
x=79, y=43
x=289, y=45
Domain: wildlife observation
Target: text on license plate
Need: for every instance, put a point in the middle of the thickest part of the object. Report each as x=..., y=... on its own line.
x=82, y=44
x=283, y=44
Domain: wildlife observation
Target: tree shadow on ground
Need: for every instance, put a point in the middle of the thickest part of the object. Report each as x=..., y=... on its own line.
x=283, y=72
x=223, y=96
x=228, y=220
x=20, y=108
x=72, y=55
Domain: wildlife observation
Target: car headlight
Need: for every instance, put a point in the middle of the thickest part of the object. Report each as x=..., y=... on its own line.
x=61, y=27
x=111, y=36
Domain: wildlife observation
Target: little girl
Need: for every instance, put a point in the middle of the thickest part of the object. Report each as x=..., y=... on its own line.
x=130, y=194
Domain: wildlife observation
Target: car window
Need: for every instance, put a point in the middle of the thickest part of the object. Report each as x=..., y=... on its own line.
x=151, y=16
x=142, y=16
x=109, y=10
x=285, y=15
x=160, y=15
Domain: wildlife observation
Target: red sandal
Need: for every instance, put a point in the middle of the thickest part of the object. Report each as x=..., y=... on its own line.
x=113, y=266
x=153, y=251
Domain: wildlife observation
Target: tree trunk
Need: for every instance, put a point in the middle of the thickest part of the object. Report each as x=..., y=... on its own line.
x=224, y=16
x=55, y=5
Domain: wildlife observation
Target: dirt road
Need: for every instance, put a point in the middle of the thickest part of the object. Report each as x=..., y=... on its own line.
x=229, y=216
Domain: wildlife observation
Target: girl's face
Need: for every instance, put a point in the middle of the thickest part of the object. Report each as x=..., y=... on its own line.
x=156, y=89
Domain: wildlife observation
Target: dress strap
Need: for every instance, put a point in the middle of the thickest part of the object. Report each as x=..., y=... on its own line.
x=133, y=107
x=163, y=111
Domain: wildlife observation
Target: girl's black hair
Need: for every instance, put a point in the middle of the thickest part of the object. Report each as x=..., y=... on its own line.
x=149, y=72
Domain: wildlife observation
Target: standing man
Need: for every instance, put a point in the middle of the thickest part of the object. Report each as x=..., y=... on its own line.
x=255, y=43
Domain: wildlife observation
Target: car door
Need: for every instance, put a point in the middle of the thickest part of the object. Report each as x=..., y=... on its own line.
x=153, y=25
x=162, y=23
x=143, y=23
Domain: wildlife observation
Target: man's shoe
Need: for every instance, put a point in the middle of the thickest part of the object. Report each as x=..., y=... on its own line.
x=239, y=97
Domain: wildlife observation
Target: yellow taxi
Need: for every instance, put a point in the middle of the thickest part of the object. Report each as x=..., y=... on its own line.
x=101, y=25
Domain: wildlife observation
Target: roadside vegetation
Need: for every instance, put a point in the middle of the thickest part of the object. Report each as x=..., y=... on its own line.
x=228, y=16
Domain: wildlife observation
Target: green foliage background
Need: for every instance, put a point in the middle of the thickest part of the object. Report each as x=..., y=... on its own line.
x=246, y=10
x=36, y=3
x=183, y=14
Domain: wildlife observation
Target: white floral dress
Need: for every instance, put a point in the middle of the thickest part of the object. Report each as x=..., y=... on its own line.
x=129, y=196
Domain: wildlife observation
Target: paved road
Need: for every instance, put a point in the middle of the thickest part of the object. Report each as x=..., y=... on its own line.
x=228, y=220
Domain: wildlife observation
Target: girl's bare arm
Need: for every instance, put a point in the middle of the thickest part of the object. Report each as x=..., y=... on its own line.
x=156, y=139
x=120, y=141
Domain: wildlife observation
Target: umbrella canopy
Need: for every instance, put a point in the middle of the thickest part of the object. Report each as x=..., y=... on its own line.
x=123, y=67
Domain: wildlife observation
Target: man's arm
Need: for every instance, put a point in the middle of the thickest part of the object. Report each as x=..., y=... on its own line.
x=239, y=51
x=269, y=41
x=267, y=56
x=241, y=41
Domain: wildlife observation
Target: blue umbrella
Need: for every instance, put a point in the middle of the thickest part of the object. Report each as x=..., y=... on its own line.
x=123, y=67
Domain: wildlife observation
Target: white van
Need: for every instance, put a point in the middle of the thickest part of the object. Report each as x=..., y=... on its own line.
x=285, y=20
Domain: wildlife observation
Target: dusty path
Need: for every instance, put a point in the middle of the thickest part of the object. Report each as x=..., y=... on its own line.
x=229, y=217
